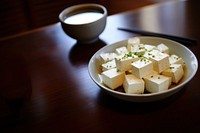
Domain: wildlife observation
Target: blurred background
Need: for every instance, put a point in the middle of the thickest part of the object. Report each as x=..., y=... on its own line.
x=17, y=16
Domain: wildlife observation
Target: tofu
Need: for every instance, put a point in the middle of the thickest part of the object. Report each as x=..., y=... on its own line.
x=149, y=47
x=113, y=78
x=174, y=59
x=121, y=50
x=133, y=85
x=108, y=65
x=134, y=46
x=156, y=83
x=160, y=60
x=105, y=57
x=131, y=42
x=123, y=62
x=175, y=72
x=152, y=73
x=139, y=48
x=138, y=67
x=156, y=73
x=134, y=40
x=142, y=67
x=163, y=48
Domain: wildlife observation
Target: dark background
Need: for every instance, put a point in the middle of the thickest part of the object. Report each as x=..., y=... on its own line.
x=23, y=15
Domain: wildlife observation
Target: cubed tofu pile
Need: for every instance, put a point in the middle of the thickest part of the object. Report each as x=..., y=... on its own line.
x=141, y=68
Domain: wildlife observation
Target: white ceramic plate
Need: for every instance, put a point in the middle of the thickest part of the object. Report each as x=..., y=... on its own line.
x=175, y=48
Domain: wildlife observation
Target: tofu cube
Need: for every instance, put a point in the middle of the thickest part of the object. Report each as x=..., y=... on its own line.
x=149, y=47
x=153, y=73
x=134, y=40
x=163, y=48
x=105, y=57
x=174, y=59
x=108, y=65
x=160, y=60
x=175, y=71
x=156, y=73
x=156, y=83
x=123, y=62
x=121, y=51
x=142, y=67
x=113, y=78
x=131, y=42
x=133, y=85
x=136, y=48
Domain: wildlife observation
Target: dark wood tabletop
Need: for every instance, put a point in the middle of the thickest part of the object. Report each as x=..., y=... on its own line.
x=45, y=85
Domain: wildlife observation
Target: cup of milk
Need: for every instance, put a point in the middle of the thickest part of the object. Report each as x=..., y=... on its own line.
x=84, y=22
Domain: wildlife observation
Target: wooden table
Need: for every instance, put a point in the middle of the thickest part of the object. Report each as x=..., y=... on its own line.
x=45, y=86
